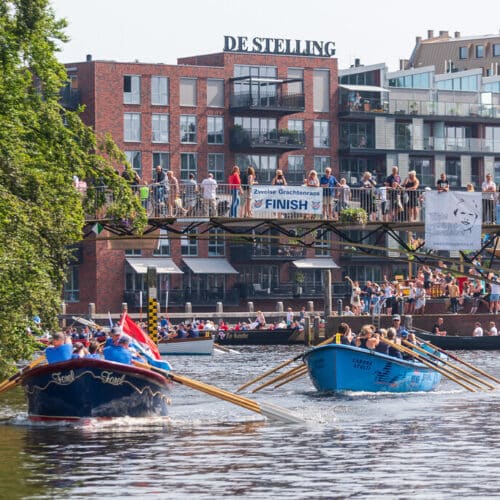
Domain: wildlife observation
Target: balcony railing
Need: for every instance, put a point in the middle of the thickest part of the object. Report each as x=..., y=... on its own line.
x=282, y=140
x=282, y=103
x=381, y=205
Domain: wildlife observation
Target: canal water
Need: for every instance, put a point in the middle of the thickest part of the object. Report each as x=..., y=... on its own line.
x=444, y=444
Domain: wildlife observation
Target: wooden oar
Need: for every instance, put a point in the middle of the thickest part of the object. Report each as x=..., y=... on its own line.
x=225, y=349
x=282, y=365
x=456, y=368
x=293, y=377
x=460, y=360
x=17, y=377
x=427, y=363
x=287, y=374
x=266, y=409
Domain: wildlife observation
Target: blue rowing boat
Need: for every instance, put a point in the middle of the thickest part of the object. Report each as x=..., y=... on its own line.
x=93, y=388
x=339, y=367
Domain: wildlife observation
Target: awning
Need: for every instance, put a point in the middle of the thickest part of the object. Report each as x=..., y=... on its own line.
x=364, y=88
x=163, y=266
x=210, y=266
x=315, y=264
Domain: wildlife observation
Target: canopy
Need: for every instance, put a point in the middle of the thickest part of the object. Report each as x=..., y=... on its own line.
x=163, y=266
x=364, y=88
x=315, y=264
x=210, y=266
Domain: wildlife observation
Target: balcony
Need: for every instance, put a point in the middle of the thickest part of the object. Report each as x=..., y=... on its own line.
x=263, y=251
x=70, y=98
x=243, y=140
x=357, y=142
x=266, y=96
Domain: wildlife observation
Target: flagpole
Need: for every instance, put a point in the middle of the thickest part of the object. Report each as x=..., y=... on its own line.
x=140, y=306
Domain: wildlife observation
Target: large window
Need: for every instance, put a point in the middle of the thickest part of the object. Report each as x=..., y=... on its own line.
x=365, y=78
x=414, y=81
x=188, y=129
x=464, y=83
x=72, y=285
x=257, y=126
x=161, y=158
x=296, y=170
x=262, y=92
x=496, y=49
x=424, y=169
x=132, y=127
x=215, y=128
x=159, y=90
x=215, y=93
x=356, y=135
x=188, y=91
x=321, y=90
x=189, y=244
x=322, y=244
x=215, y=165
x=454, y=171
x=321, y=163
x=159, y=127
x=296, y=125
x=295, y=87
x=266, y=276
x=463, y=52
x=135, y=160
x=265, y=166
x=353, y=168
x=131, y=89
x=216, y=244
x=479, y=51
x=492, y=139
x=403, y=135
x=189, y=165
x=163, y=249
x=321, y=134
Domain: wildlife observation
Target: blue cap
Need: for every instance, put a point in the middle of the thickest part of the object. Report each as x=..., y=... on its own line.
x=404, y=333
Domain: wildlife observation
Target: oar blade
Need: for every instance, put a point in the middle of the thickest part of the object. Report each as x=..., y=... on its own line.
x=277, y=413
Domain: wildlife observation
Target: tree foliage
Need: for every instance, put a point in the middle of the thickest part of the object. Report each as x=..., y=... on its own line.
x=42, y=146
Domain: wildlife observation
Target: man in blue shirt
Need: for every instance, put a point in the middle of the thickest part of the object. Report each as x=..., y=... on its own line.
x=60, y=350
x=328, y=183
x=120, y=352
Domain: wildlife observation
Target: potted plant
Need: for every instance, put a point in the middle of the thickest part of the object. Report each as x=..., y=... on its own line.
x=357, y=216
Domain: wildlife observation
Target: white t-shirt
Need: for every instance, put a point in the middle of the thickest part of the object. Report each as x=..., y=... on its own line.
x=478, y=332
x=209, y=188
x=493, y=331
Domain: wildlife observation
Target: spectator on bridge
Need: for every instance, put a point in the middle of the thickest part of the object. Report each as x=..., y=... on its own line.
x=209, y=194
x=489, y=189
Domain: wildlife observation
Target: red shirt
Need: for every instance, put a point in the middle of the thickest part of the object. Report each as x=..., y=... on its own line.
x=234, y=180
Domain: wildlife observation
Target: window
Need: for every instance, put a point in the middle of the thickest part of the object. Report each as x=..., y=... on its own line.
x=296, y=125
x=403, y=135
x=296, y=171
x=72, y=285
x=265, y=166
x=463, y=53
x=467, y=83
x=321, y=163
x=188, y=92
x=295, y=87
x=357, y=135
x=189, y=243
x=424, y=169
x=322, y=243
x=133, y=252
x=479, y=51
x=134, y=282
x=159, y=90
x=215, y=165
x=366, y=78
x=496, y=49
x=215, y=127
x=163, y=249
x=321, y=134
x=159, y=127
x=258, y=127
x=162, y=159
x=453, y=172
x=131, y=89
x=415, y=81
x=215, y=93
x=216, y=245
x=135, y=160
x=353, y=168
x=188, y=129
x=321, y=90
x=132, y=127
x=261, y=93
x=265, y=275
x=189, y=165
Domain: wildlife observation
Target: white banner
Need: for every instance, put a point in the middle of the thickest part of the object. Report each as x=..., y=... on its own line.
x=289, y=199
x=453, y=220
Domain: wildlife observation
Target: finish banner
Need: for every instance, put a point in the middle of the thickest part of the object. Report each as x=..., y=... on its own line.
x=287, y=199
x=453, y=220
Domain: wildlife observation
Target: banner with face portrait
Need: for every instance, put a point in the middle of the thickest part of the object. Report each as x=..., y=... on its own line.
x=453, y=220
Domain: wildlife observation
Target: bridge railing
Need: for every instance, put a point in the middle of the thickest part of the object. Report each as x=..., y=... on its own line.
x=192, y=202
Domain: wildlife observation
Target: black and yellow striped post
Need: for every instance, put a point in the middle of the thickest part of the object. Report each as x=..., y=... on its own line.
x=153, y=319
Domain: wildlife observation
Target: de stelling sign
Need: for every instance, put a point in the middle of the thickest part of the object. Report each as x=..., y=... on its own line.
x=285, y=46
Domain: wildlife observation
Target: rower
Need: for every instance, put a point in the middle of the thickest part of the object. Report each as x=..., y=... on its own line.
x=116, y=331
x=119, y=352
x=60, y=350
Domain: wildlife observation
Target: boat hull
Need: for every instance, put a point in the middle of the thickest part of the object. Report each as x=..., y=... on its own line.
x=456, y=342
x=199, y=346
x=92, y=388
x=338, y=367
x=260, y=337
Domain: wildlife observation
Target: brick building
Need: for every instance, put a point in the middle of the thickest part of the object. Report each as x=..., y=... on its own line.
x=203, y=115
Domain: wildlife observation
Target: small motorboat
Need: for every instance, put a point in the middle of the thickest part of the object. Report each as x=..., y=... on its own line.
x=458, y=342
x=190, y=346
x=339, y=367
x=93, y=388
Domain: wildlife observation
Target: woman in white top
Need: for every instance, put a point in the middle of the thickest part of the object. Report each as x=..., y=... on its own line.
x=478, y=331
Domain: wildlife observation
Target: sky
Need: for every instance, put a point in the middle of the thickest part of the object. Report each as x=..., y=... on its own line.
x=160, y=31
